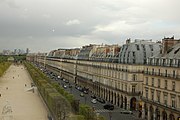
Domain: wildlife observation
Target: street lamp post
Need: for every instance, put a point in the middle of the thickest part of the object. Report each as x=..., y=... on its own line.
x=110, y=115
x=45, y=61
x=85, y=99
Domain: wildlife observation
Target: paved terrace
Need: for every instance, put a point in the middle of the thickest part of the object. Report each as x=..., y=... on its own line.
x=16, y=103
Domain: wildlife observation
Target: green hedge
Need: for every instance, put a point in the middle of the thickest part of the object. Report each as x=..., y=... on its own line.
x=59, y=106
x=3, y=67
x=59, y=100
x=87, y=112
x=77, y=117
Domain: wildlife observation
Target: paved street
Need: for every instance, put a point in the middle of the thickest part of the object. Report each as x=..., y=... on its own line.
x=16, y=103
x=116, y=115
x=110, y=115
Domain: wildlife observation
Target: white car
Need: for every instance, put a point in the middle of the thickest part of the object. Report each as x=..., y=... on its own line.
x=126, y=112
x=94, y=101
x=65, y=86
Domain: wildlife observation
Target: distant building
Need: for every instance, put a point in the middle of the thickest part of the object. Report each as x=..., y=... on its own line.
x=137, y=52
x=64, y=53
x=27, y=50
x=145, y=77
x=6, y=52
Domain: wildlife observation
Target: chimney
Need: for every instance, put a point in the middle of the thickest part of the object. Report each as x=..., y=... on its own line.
x=167, y=43
x=128, y=41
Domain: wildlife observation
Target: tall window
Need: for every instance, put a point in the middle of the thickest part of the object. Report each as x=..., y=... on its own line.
x=116, y=84
x=165, y=99
x=158, y=96
x=137, y=46
x=146, y=80
x=151, y=47
x=153, y=71
x=174, y=73
x=173, y=103
x=152, y=94
x=163, y=62
x=165, y=73
x=159, y=72
x=173, y=85
x=171, y=61
x=133, y=89
x=134, y=77
x=146, y=93
x=165, y=84
x=152, y=81
x=119, y=85
x=159, y=83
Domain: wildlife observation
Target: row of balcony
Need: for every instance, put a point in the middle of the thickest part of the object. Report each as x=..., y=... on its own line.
x=162, y=74
x=163, y=64
x=162, y=105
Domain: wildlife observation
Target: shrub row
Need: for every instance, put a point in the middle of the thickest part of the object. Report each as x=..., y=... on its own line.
x=58, y=105
x=46, y=87
x=3, y=67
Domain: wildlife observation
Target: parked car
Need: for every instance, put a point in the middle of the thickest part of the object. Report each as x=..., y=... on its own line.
x=109, y=107
x=101, y=100
x=94, y=101
x=93, y=96
x=80, y=89
x=65, y=86
x=66, y=81
x=76, y=86
x=126, y=112
x=86, y=92
x=70, y=86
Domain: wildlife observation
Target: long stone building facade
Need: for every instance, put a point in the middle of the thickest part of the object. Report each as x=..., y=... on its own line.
x=161, y=86
x=123, y=75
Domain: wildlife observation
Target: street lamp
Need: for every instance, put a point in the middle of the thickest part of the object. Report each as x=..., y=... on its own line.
x=85, y=99
x=45, y=61
x=110, y=115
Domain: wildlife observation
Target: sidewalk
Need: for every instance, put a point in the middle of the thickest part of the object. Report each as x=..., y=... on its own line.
x=25, y=105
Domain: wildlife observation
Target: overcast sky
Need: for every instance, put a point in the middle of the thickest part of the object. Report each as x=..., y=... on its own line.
x=44, y=25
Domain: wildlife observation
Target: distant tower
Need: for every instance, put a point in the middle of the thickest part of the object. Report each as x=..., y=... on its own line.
x=27, y=50
x=15, y=51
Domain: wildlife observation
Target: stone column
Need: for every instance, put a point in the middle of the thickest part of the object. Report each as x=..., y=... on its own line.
x=148, y=113
x=154, y=114
x=143, y=111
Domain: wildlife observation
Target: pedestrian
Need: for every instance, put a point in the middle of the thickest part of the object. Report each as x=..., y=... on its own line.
x=6, y=88
x=25, y=85
x=0, y=95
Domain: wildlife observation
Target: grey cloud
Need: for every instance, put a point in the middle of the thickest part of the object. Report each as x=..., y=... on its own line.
x=10, y=3
x=47, y=24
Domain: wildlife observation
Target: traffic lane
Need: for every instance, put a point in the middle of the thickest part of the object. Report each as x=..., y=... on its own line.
x=98, y=106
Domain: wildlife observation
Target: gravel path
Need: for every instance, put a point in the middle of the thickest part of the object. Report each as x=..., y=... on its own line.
x=25, y=105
